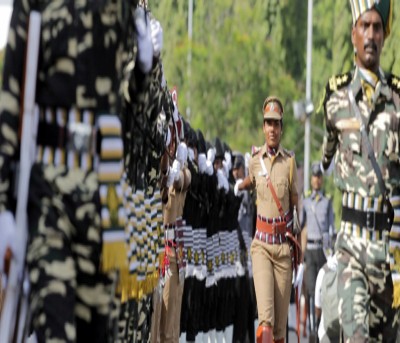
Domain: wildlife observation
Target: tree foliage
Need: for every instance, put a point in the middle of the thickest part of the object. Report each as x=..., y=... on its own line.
x=243, y=51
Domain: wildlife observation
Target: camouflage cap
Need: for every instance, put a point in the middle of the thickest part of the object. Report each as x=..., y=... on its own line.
x=383, y=7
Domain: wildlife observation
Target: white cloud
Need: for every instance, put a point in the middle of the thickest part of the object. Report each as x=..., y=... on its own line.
x=5, y=16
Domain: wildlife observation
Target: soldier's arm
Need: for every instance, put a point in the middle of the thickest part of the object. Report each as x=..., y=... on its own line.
x=10, y=96
x=330, y=140
x=246, y=184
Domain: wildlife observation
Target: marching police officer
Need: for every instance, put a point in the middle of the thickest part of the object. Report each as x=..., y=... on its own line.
x=317, y=215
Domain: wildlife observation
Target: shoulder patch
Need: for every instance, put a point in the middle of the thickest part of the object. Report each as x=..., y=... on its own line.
x=335, y=82
x=255, y=150
x=339, y=81
x=290, y=153
x=307, y=193
x=394, y=83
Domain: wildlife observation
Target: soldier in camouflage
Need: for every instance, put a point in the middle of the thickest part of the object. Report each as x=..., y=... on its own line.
x=365, y=287
x=83, y=49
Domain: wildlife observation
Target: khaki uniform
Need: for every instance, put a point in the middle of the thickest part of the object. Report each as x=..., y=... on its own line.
x=166, y=317
x=272, y=262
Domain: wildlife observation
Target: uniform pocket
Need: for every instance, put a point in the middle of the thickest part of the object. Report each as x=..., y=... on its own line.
x=282, y=187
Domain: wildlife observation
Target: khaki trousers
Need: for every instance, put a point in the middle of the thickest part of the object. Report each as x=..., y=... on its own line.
x=272, y=274
x=170, y=315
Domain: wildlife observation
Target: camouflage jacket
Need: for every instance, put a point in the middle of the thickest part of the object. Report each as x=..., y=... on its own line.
x=84, y=49
x=353, y=170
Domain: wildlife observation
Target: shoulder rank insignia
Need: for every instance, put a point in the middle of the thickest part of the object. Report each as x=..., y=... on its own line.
x=255, y=150
x=338, y=81
x=335, y=82
x=394, y=83
x=290, y=153
x=307, y=193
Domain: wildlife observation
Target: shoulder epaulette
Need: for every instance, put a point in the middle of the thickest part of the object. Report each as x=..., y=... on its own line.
x=338, y=81
x=307, y=193
x=290, y=153
x=255, y=150
x=335, y=82
x=394, y=83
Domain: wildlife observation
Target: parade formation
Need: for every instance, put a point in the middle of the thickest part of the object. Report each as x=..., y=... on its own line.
x=121, y=222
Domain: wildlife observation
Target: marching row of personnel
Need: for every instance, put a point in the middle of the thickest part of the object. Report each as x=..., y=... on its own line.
x=131, y=212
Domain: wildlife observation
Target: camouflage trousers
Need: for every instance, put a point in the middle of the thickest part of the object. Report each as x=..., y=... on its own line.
x=365, y=290
x=135, y=320
x=70, y=298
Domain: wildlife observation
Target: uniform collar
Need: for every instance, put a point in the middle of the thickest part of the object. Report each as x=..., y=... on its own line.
x=360, y=74
x=315, y=193
x=264, y=150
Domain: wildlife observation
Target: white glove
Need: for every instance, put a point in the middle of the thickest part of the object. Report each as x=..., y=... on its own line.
x=175, y=114
x=299, y=276
x=211, y=155
x=222, y=181
x=209, y=168
x=190, y=154
x=247, y=157
x=182, y=153
x=236, y=188
x=225, y=168
x=163, y=80
x=173, y=174
x=167, y=137
x=228, y=160
x=202, y=161
x=8, y=236
x=156, y=37
x=144, y=40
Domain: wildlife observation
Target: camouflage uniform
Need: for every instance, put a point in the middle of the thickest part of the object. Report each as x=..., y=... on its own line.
x=80, y=63
x=365, y=287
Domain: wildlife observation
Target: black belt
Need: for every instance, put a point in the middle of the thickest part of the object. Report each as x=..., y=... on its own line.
x=368, y=219
x=55, y=136
x=314, y=241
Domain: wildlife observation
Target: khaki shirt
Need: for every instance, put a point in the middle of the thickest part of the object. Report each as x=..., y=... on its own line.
x=173, y=209
x=283, y=173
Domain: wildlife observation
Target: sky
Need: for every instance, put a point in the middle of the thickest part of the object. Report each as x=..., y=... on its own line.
x=5, y=14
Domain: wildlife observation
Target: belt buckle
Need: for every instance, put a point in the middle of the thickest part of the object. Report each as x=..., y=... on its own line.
x=371, y=215
x=80, y=137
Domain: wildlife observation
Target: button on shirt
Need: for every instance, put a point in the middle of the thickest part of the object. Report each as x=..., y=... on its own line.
x=317, y=214
x=283, y=173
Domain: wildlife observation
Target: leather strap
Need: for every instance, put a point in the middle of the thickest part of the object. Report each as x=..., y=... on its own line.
x=271, y=229
x=271, y=187
x=367, y=145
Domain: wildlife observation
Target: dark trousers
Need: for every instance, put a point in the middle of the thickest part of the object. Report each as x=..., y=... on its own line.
x=315, y=259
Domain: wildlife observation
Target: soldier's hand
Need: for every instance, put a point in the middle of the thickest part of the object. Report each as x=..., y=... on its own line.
x=236, y=188
x=202, y=162
x=144, y=40
x=173, y=174
x=209, y=168
x=228, y=160
x=182, y=153
x=156, y=37
x=211, y=155
x=8, y=246
x=222, y=181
